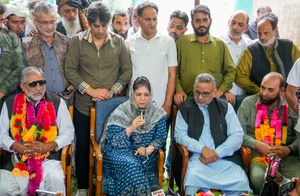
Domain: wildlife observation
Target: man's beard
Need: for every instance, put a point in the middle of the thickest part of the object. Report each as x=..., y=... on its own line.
x=124, y=35
x=269, y=101
x=35, y=97
x=72, y=27
x=268, y=43
x=201, y=34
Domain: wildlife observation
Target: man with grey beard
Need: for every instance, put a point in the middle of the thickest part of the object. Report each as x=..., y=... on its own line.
x=35, y=106
x=269, y=54
x=73, y=20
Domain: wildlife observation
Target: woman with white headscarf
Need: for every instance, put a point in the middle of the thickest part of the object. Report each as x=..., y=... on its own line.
x=135, y=131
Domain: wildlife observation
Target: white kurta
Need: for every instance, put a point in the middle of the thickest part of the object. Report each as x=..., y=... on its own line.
x=222, y=174
x=52, y=170
x=236, y=51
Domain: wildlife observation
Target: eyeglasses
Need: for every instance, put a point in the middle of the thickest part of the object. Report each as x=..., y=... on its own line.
x=33, y=84
x=46, y=23
x=204, y=94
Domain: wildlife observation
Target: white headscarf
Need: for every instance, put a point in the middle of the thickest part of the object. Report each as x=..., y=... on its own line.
x=19, y=8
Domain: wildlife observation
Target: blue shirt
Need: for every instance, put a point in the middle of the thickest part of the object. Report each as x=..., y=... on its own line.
x=55, y=80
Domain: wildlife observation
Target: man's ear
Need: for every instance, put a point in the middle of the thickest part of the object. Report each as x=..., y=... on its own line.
x=282, y=90
x=138, y=19
x=276, y=31
x=22, y=86
x=247, y=27
x=185, y=29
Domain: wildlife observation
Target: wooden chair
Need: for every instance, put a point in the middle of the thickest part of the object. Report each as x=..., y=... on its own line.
x=66, y=161
x=95, y=151
x=246, y=154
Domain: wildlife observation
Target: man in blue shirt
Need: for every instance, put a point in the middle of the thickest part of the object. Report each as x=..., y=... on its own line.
x=210, y=129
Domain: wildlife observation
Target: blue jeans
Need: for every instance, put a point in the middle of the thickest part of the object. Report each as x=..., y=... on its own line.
x=103, y=109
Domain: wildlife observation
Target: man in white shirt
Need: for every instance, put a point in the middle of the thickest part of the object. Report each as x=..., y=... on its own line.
x=45, y=130
x=154, y=56
x=293, y=81
x=236, y=42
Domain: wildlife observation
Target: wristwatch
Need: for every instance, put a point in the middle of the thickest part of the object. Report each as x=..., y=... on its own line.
x=112, y=92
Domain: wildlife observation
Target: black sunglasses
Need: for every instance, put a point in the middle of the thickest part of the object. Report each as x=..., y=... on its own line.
x=33, y=84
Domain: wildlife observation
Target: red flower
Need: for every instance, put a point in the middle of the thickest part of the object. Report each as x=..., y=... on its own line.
x=44, y=139
x=18, y=137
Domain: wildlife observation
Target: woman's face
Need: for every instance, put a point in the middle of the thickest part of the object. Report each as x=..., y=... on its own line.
x=141, y=96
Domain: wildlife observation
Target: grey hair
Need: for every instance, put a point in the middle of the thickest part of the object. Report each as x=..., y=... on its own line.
x=206, y=78
x=45, y=7
x=28, y=71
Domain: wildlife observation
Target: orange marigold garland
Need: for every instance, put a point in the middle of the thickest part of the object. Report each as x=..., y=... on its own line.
x=26, y=127
x=272, y=132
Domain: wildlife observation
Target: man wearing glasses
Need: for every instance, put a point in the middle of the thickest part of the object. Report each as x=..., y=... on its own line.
x=210, y=129
x=11, y=59
x=47, y=50
x=45, y=130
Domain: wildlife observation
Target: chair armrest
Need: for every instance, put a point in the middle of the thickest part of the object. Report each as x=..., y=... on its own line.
x=160, y=170
x=246, y=153
x=96, y=148
x=185, y=158
x=64, y=155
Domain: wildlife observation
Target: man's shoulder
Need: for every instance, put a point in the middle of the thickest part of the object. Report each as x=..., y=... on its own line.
x=115, y=37
x=250, y=101
x=8, y=38
x=187, y=104
x=285, y=41
x=247, y=40
x=27, y=40
x=61, y=37
x=9, y=33
x=187, y=38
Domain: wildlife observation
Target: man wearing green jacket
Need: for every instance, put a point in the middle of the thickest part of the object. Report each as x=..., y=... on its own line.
x=11, y=59
x=269, y=125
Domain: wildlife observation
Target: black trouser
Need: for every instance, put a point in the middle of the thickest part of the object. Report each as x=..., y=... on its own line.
x=82, y=131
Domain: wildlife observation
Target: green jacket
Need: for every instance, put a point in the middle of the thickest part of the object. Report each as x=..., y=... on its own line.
x=247, y=115
x=11, y=62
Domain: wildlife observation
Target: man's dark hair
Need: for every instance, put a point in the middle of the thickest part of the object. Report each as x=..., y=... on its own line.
x=147, y=4
x=270, y=17
x=180, y=15
x=141, y=81
x=264, y=9
x=2, y=8
x=200, y=8
x=31, y=4
x=98, y=10
x=121, y=13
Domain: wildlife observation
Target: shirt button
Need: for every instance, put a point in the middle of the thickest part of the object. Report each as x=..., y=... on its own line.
x=202, y=52
x=50, y=59
x=202, y=60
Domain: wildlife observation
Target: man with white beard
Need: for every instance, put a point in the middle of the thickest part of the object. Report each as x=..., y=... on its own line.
x=73, y=20
x=269, y=54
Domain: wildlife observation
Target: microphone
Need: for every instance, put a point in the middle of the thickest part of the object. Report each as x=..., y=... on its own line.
x=142, y=113
x=156, y=191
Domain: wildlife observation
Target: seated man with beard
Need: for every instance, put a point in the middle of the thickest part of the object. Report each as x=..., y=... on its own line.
x=269, y=124
x=45, y=130
x=73, y=20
